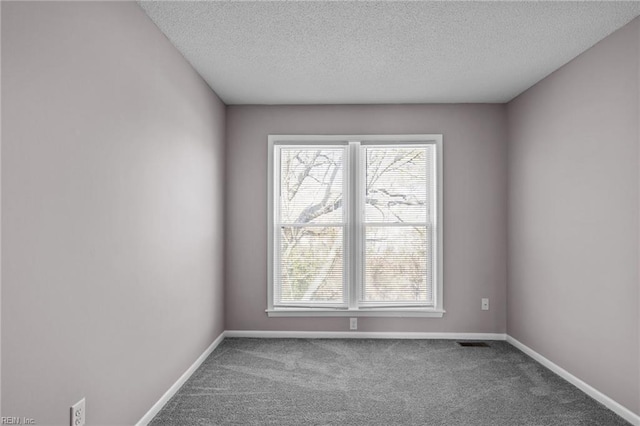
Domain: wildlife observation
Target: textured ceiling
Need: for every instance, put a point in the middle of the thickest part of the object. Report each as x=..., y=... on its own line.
x=381, y=52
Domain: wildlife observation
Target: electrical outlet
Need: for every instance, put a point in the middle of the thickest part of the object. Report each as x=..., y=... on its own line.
x=78, y=413
x=485, y=304
x=353, y=323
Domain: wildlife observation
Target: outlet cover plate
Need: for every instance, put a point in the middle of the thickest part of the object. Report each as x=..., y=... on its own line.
x=353, y=323
x=485, y=304
x=78, y=413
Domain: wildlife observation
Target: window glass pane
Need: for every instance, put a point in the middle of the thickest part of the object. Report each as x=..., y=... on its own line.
x=397, y=264
x=311, y=185
x=397, y=181
x=311, y=264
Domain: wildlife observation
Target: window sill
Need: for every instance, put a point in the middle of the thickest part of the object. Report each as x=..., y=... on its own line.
x=371, y=312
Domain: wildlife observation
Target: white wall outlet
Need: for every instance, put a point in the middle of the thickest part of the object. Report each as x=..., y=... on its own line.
x=78, y=413
x=353, y=323
x=485, y=304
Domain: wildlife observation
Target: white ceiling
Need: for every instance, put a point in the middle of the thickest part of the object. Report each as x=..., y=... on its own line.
x=336, y=52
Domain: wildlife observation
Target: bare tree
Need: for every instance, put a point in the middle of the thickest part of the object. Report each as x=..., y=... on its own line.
x=312, y=189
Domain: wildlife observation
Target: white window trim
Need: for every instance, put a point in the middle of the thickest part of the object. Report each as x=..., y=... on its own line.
x=352, y=310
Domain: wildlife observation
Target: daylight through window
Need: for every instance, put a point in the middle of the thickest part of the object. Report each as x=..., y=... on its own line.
x=355, y=225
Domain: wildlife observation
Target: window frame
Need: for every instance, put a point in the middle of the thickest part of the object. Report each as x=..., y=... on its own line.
x=352, y=179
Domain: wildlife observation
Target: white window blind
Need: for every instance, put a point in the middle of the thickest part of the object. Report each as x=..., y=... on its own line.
x=354, y=223
x=397, y=224
x=311, y=225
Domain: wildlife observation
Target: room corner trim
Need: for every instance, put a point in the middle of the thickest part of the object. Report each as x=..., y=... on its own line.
x=155, y=409
x=614, y=406
x=264, y=334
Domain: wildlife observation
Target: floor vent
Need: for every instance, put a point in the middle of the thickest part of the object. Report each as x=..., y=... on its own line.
x=475, y=344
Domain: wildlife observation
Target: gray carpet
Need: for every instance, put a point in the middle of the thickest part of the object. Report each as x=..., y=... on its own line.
x=376, y=382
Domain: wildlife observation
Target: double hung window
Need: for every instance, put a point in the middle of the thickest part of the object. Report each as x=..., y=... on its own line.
x=355, y=225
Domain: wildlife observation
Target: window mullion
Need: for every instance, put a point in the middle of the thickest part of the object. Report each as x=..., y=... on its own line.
x=362, y=197
x=355, y=261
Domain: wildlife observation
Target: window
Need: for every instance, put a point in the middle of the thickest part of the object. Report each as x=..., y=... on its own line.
x=355, y=225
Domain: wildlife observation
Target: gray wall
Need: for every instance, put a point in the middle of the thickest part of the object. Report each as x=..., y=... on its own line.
x=112, y=174
x=573, y=217
x=474, y=208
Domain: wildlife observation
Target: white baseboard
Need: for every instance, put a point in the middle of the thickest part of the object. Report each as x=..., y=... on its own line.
x=361, y=335
x=178, y=384
x=620, y=410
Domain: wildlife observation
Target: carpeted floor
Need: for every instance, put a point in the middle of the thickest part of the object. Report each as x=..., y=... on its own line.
x=376, y=382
